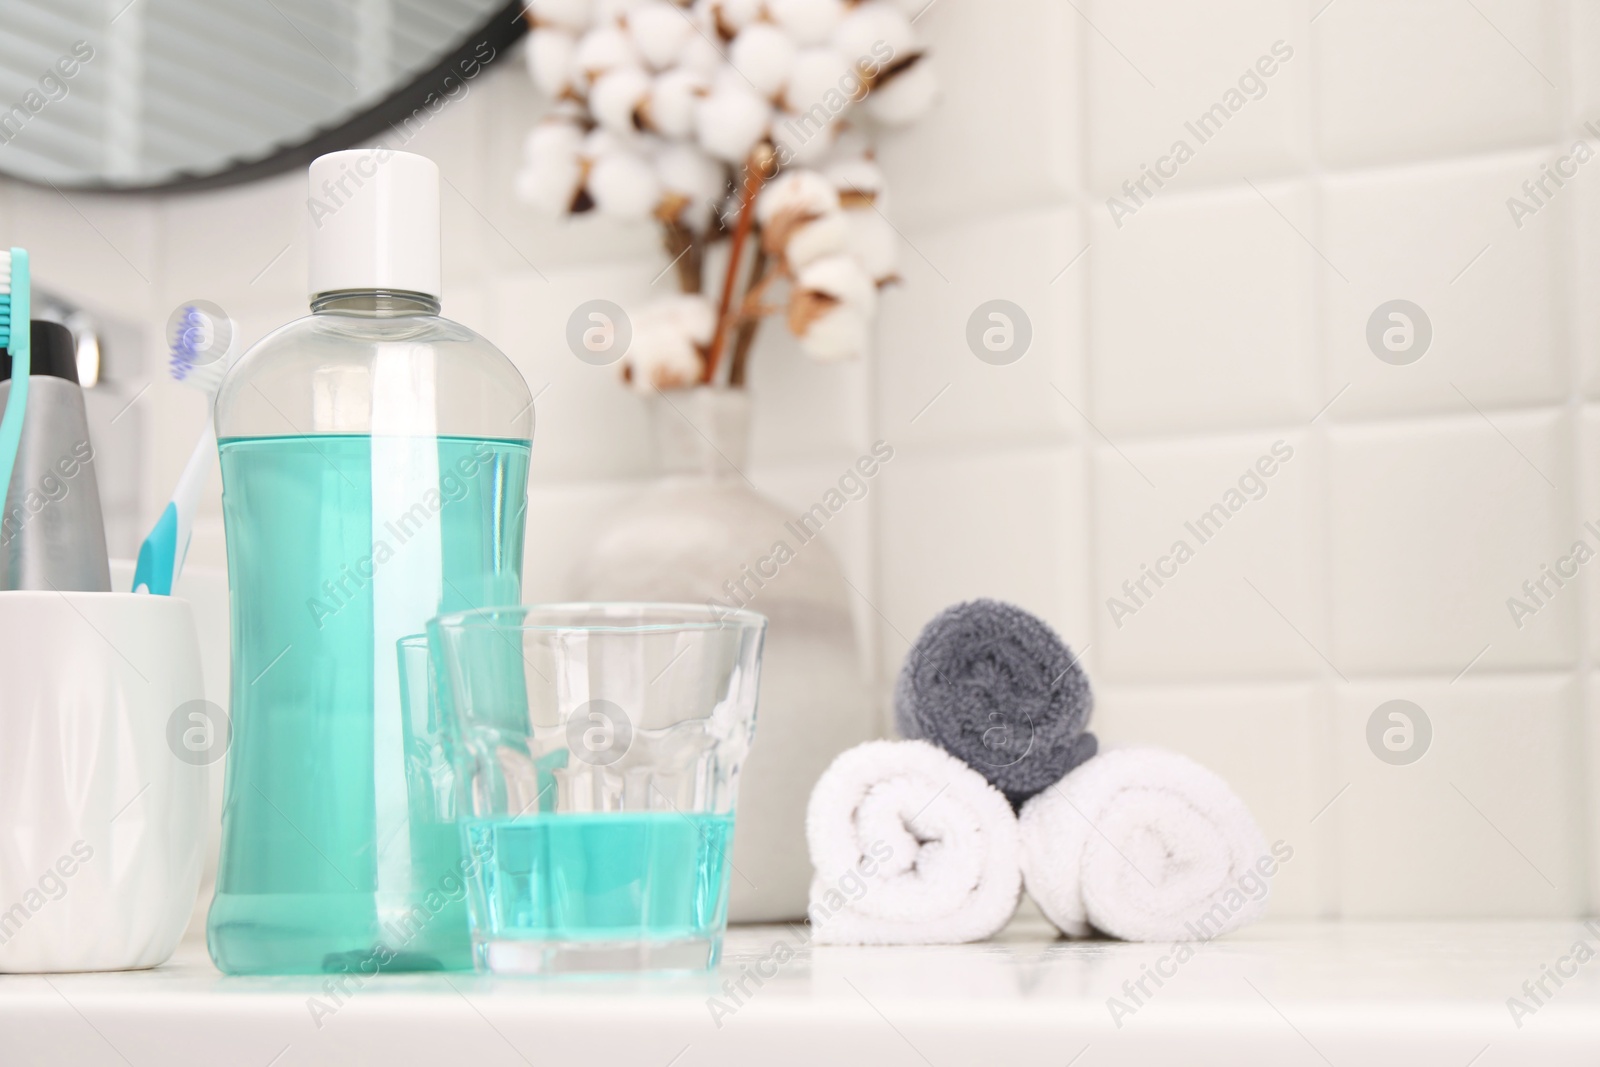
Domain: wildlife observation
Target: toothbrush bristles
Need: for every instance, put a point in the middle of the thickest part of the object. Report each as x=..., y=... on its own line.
x=194, y=359
x=5, y=298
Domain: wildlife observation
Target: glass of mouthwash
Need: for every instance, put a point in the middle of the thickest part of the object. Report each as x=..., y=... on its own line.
x=596, y=752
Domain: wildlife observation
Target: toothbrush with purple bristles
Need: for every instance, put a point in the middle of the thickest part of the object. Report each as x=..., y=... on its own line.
x=194, y=362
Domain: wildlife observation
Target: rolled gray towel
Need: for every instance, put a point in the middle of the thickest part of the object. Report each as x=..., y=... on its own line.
x=994, y=686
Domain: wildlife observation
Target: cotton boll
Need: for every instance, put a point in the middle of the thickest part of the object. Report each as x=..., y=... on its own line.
x=701, y=56
x=800, y=219
x=550, y=187
x=832, y=307
x=568, y=109
x=658, y=358
x=669, y=110
x=669, y=341
x=566, y=14
x=804, y=140
x=807, y=21
x=603, y=142
x=552, y=170
x=843, y=278
x=830, y=333
x=549, y=55
x=727, y=17
x=863, y=191
x=873, y=243
x=691, y=314
x=799, y=193
x=727, y=77
x=624, y=185
x=905, y=96
x=686, y=170
x=695, y=179
x=858, y=179
x=659, y=30
x=731, y=121
x=821, y=78
x=825, y=235
x=875, y=33
x=609, y=11
x=765, y=55
x=616, y=98
x=552, y=139
x=603, y=49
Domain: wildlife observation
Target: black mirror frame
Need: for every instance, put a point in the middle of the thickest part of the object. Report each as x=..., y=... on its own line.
x=498, y=34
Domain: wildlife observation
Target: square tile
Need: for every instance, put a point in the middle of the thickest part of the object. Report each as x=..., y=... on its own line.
x=1202, y=311
x=1434, y=527
x=245, y=244
x=1590, y=744
x=1005, y=130
x=1205, y=565
x=1158, y=70
x=94, y=249
x=1277, y=773
x=1007, y=525
x=588, y=425
x=935, y=386
x=469, y=305
x=1587, y=522
x=1584, y=218
x=1492, y=324
x=1435, y=77
x=803, y=409
x=1486, y=822
x=1582, y=42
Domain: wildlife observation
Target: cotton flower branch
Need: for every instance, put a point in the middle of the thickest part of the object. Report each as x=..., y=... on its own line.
x=744, y=121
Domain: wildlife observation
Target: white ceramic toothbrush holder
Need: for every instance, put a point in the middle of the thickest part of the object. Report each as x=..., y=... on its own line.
x=103, y=779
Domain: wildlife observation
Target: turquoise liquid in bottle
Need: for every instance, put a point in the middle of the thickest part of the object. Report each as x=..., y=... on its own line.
x=340, y=847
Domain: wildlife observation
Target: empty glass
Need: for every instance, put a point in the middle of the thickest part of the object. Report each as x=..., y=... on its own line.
x=597, y=750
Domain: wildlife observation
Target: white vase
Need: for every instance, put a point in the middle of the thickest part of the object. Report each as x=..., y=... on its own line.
x=700, y=533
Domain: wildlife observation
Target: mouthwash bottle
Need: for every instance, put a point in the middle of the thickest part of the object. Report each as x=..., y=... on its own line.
x=374, y=472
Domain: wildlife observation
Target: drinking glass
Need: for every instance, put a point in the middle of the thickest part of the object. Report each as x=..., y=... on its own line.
x=597, y=750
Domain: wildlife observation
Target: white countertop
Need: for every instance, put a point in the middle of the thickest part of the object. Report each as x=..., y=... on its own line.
x=1362, y=994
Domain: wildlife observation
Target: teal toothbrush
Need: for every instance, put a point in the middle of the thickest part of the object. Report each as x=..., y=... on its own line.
x=16, y=337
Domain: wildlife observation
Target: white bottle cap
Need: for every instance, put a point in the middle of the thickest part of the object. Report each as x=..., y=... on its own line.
x=374, y=222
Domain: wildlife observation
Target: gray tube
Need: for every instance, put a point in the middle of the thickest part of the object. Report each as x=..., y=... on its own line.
x=53, y=535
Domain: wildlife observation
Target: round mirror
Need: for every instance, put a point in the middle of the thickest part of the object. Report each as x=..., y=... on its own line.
x=143, y=94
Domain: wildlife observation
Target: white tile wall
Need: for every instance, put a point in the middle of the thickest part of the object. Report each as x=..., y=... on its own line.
x=1247, y=605
x=1227, y=311
x=1230, y=343
x=1433, y=525
x=1436, y=77
x=1440, y=235
x=1488, y=822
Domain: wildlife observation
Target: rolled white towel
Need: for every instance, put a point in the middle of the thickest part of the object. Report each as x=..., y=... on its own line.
x=1145, y=845
x=911, y=847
